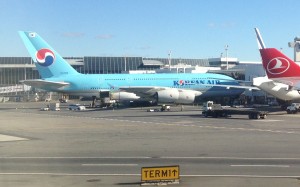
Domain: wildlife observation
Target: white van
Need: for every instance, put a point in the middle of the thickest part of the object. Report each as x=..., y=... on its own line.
x=76, y=107
x=293, y=108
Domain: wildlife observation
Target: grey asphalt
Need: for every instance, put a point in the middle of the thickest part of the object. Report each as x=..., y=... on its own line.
x=108, y=147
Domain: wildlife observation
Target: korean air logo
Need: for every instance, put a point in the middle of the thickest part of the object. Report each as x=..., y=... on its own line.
x=45, y=57
x=278, y=65
x=181, y=82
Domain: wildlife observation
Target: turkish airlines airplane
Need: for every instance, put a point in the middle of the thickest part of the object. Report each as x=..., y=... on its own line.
x=283, y=74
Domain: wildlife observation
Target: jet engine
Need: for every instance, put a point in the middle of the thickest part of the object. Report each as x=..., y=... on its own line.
x=124, y=96
x=187, y=96
x=176, y=96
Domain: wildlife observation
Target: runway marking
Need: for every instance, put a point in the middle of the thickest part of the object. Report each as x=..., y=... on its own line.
x=229, y=158
x=7, y=138
x=133, y=125
x=180, y=125
x=157, y=157
x=34, y=157
x=109, y=164
x=245, y=176
x=267, y=120
x=134, y=174
x=274, y=166
x=72, y=174
x=247, y=129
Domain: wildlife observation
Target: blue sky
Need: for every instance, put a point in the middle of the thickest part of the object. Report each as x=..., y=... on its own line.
x=150, y=28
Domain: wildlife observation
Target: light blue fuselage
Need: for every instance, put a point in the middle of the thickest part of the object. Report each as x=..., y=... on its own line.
x=112, y=82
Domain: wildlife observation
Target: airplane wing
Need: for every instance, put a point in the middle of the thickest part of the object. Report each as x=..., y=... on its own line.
x=233, y=86
x=143, y=90
x=40, y=83
x=291, y=81
x=150, y=90
x=164, y=94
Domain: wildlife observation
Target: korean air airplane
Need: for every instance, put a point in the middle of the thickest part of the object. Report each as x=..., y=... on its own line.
x=57, y=75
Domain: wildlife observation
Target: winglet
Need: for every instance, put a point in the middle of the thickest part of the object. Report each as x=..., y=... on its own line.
x=260, y=42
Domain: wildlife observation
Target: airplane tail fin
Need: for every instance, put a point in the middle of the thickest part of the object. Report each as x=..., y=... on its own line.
x=47, y=61
x=276, y=64
x=260, y=42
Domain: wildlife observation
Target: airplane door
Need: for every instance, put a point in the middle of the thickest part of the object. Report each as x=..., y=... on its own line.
x=101, y=82
x=129, y=81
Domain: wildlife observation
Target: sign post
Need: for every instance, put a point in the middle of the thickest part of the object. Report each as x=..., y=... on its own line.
x=161, y=174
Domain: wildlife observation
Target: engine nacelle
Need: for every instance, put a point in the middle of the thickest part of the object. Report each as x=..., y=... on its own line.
x=187, y=96
x=177, y=96
x=167, y=96
x=123, y=96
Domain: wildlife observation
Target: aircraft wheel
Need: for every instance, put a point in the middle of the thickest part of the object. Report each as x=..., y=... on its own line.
x=250, y=116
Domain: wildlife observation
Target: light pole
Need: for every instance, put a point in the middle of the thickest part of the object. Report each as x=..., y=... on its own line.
x=169, y=59
x=226, y=50
x=125, y=63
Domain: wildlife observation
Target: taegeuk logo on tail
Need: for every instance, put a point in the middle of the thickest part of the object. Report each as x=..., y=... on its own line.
x=45, y=57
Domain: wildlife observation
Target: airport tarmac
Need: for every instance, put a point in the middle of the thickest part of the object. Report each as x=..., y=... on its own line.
x=109, y=147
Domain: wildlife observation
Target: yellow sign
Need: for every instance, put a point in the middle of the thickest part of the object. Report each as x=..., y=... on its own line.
x=160, y=173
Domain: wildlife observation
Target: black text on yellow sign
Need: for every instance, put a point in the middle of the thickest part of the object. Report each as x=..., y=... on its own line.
x=160, y=173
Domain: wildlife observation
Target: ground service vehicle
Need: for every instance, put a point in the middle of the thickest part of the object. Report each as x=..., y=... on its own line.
x=63, y=100
x=163, y=108
x=293, y=108
x=76, y=107
x=54, y=106
x=216, y=110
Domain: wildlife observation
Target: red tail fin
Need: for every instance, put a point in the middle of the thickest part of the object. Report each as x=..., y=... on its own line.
x=277, y=65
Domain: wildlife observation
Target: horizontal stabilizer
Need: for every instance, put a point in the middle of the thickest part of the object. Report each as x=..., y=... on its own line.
x=43, y=84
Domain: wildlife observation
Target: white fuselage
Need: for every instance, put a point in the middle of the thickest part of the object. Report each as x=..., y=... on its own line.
x=278, y=90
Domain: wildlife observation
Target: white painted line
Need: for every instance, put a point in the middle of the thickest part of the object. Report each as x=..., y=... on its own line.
x=275, y=166
x=245, y=176
x=246, y=129
x=72, y=174
x=227, y=158
x=6, y=138
x=114, y=174
x=16, y=157
x=160, y=157
x=109, y=164
x=183, y=125
x=268, y=120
